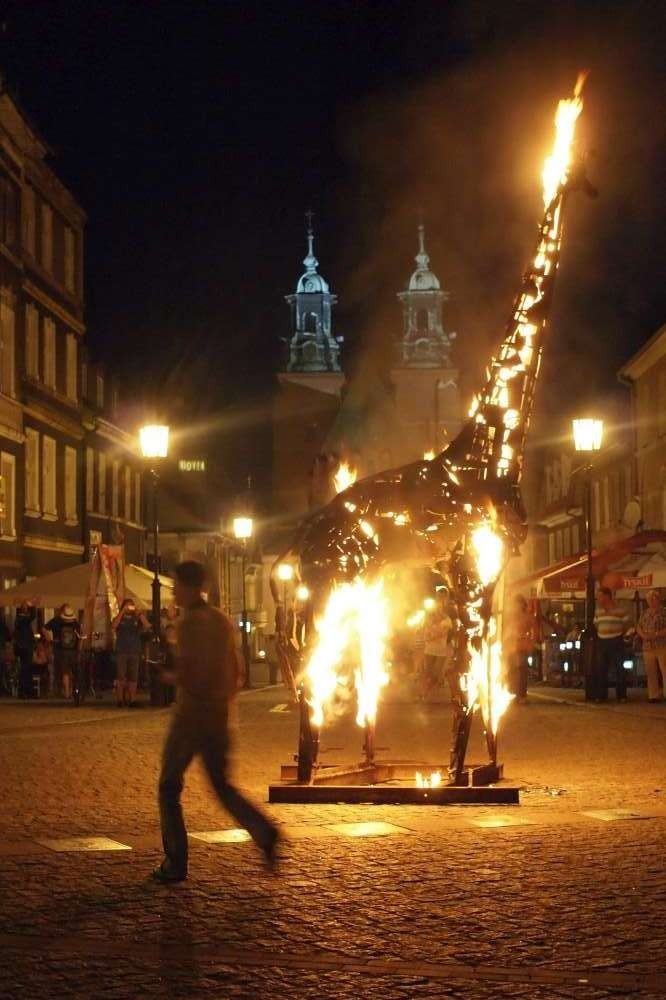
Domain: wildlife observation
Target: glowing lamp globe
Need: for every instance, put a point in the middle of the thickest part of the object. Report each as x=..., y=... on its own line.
x=587, y=434
x=285, y=572
x=302, y=592
x=154, y=441
x=242, y=527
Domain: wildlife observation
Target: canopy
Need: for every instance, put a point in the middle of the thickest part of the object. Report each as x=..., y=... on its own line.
x=70, y=586
x=637, y=562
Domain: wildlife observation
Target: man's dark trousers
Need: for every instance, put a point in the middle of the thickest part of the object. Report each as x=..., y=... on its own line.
x=610, y=656
x=202, y=733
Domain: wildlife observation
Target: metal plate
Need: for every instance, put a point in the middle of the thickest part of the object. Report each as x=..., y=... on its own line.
x=222, y=836
x=611, y=815
x=494, y=822
x=84, y=844
x=366, y=829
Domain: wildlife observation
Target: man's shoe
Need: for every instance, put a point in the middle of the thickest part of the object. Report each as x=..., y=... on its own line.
x=270, y=849
x=165, y=875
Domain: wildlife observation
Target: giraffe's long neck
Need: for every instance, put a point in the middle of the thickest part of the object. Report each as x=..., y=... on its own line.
x=491, y=444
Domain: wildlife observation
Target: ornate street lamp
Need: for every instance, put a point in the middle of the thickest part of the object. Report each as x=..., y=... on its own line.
x=243, y=527
x=588, y=435
x=154, y=443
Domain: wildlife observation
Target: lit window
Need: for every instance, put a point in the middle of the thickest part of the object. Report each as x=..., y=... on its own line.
x=90, y=479
x=31, y=341
x=8, y=495
x=101, y=483
x=7, y=364
x=49, y=476
x=72, y=367
x=47, y=238
x=115, y=475
x=71, y=497
x=49, y=353
x=32, y=499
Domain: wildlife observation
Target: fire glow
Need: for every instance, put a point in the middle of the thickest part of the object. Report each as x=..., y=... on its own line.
x=344, y=477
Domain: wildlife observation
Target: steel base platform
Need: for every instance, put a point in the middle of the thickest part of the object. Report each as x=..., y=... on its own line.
x=370, y=783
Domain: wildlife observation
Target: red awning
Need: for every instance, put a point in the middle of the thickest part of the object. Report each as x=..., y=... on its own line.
x=568, y=577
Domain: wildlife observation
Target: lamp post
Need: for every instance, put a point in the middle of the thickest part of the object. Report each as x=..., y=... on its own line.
x=242, y=532
x=588, y=435
x=285, y=572
x=154, y=443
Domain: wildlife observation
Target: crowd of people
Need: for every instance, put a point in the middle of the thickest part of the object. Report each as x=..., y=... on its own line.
x=47, y=659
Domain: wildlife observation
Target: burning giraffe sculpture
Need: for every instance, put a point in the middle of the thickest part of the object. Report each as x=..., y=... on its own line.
x=460, y=512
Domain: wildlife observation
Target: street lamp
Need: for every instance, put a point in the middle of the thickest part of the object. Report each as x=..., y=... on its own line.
x=243, y=527
x=285, y=572
x=154, y=444
x=588, y=435
x=303, y=593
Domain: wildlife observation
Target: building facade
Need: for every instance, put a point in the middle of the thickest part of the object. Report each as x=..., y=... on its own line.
x=69, y=477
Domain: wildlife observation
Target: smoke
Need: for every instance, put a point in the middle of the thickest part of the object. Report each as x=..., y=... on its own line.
x=464, y=150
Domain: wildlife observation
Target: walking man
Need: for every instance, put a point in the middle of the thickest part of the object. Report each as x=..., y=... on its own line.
x=206, y=675
x=611, y=622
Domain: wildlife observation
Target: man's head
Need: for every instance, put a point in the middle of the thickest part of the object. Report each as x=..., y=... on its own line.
x=129, y=607
x=190, y=579
x=66, y=611
x=605, y=597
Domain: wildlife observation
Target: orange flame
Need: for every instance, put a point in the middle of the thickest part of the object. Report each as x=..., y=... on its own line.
x=344, y=477
x=557, y=164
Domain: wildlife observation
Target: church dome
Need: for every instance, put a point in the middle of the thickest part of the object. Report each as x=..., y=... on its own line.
x=310, y=282
x=423, y=280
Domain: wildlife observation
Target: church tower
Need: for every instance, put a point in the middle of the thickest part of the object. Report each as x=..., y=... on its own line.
x=310, y=382
x=312, y=348
x=426, y=383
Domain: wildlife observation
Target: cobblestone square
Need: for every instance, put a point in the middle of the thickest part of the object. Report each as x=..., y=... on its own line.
x=558, y=897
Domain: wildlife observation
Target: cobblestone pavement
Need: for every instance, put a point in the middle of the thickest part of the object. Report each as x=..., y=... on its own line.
x=567, y=900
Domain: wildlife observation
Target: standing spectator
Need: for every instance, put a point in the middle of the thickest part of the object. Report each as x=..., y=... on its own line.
x=437, y=628
x=518, y=644
x=129, y=626
x=206, y=674
x=65, y=634
x=652, y=630
x=24, y=647
x=611, y=622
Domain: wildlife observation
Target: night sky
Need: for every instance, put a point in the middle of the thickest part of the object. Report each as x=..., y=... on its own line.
x=196, y=135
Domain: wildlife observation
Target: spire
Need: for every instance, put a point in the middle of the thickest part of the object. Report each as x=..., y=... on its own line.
x=422, y=259
x=311, y=262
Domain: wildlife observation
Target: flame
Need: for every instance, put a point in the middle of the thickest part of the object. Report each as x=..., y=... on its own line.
x=484, y=685
x=344, y=477
x=429, y=455
x=355, y=619
x=489, y=549
x=417, y=619
x=433, y=780
x=557, y=164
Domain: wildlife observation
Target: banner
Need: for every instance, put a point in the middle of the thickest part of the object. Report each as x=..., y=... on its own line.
x=106, y=592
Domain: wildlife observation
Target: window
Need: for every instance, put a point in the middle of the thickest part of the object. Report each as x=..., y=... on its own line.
x=47, y=237
x=7, y=366
x=549, y=484
x=90, y=479
x=49, y=353
x=72, y=364
x=70, y=259
x=32, y=504
x=575, y=539
x=8, y=495
x=29, y=220
x=101, y=483
x=137, y=498
x=84, y=379
x=49, y=476
x=558, y=545
x=566, y=543
x=31, y=341
x=115, y=473
x=127, y=474
x=100, y=391
x=71, y=491
x=9, y=196
x=551, y=548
